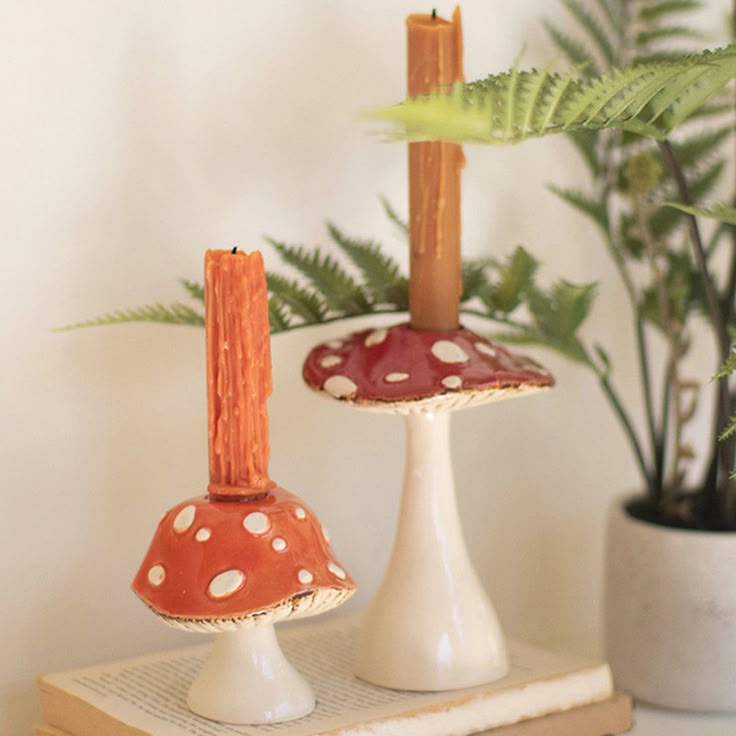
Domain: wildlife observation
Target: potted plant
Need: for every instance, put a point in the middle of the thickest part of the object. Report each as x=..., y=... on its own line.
x=652, y=135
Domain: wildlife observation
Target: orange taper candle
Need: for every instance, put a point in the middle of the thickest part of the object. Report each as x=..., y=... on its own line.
x=238, y=373
x=435, y=60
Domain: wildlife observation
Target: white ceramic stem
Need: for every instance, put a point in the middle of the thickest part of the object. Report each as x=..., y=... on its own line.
x=246, y=679
x=431, y=625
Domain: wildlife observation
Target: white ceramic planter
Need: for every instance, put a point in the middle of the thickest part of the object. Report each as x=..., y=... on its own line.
x=670, y=613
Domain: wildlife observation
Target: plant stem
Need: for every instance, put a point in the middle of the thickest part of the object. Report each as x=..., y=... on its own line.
x=666, y=405
x=671, y=334
x=618, y=408
x=654, y=480
x=730, y=290
x=722, y=454
x=607, y=181
x=714, y=238
x=711, y=295
x=657, y=477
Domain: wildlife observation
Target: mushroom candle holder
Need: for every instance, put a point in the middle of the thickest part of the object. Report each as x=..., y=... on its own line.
x=249, y=553
x=431, y=625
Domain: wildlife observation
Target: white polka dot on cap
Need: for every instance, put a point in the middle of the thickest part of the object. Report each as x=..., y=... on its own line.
x=305, y=577
x=156, y=575
x=375, y=338
x=203, y=534
x=184, y=519
x=336, y=570
x=256, y=523
x=226, y=583
x=448, y=352
x=341, y=387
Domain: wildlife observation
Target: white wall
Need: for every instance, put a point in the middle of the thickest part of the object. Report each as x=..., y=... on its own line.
x=134, y=135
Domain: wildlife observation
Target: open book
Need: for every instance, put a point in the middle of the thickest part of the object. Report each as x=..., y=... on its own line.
x=146, y=696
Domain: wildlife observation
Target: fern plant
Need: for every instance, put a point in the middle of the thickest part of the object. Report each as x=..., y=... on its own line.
x=650, y=122
x=358, y=277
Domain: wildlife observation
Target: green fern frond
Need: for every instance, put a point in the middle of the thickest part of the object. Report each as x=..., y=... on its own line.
x=663, y=223
x=612, y=11
x=195, y=289
x=525, y=335
x=515, y=280
x=586, y=142
x=475, y=280
x=719, y=212
x=590, y=207
x=665, y=220
x=593, y=28
x=302, y=303
x=172, y=314
x=394, y=216
x=561, y=312
x=668, y=33
x=728, y=368
x=642, y=89
x=278, y=315
x=712, y=109
x=692, y=150
x=701, y=87
x=381, y=275
x=655, y=11
x=729, y=431
x=573, y=50
x=656, y=56
x=648, y=99
x=529, y=98
x=557, y=314
x=339, y=290
x=703, y=183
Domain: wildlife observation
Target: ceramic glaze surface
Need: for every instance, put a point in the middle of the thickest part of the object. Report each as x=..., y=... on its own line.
x=670, y=609
x=431, y=625
x=247, y=680
x=400, y=363
x=228, y=559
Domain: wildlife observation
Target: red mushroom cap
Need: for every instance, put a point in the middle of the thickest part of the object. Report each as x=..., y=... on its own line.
x=402, y=369
x=215, y=565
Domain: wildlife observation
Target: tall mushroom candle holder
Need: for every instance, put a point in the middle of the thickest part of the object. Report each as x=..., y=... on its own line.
x=431, y=626
x=249, y=553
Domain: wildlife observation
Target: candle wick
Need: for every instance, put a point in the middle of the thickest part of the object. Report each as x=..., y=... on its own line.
x=434, y=13
x=234, y=250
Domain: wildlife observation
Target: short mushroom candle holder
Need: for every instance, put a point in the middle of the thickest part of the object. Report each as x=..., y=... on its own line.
x=249, y=553
x=431, y=625
x=235, y=568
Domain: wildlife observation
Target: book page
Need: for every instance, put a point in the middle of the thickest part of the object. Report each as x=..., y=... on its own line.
x=149, y=693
